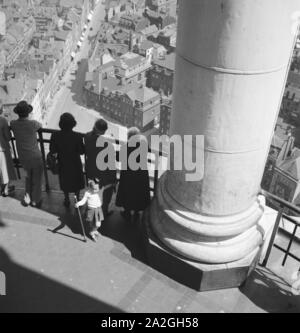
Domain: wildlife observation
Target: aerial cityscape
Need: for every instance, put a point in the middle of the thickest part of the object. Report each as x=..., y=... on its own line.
x=79, y=77
x=72, y=54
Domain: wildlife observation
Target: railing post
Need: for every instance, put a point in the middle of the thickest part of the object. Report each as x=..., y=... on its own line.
x=15, y=157
x=41, y=140
x=276, y=226
x=85, y=159
x=155, y=180
x=289, y=246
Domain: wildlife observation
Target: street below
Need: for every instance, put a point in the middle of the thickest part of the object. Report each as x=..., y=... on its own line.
x=69, y=97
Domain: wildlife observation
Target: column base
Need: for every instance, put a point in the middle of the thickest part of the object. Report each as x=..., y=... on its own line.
x=198, y=276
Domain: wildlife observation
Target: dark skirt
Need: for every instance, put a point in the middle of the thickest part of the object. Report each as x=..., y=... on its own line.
x=134, y=190
x=71, y=177
x=69, y=146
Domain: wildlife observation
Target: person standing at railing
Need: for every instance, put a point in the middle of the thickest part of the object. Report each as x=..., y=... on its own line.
x=7, y=171
x=30, y=156
x=107, y=176
x=68, y=146
x=134, y=186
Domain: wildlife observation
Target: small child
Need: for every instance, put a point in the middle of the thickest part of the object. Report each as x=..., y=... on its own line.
x=94, y=215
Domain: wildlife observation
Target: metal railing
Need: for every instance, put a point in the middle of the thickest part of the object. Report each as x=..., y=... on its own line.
x=281, y=205
x=273, y=201
x=43, y=137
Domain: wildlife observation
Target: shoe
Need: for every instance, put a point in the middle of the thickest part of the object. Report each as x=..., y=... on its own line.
x=93, y=236
x=24, y=203
x=36, y=205
x=4, y=190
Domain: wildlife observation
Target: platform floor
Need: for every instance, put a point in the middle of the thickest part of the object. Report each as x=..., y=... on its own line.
x=49, y=272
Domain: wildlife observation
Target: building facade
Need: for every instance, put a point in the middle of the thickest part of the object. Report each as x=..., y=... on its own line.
x=139, y=107
x=163, y=7
x=133, y=22
x=132, y=67
x=165, y=116
x=160, y=77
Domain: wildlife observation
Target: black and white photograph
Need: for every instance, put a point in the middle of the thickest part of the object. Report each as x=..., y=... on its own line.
x=149, y=159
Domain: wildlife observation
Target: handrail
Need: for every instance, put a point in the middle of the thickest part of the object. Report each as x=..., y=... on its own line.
x=283, y=204
x=42, y=141
x=40, y=135
x=281, y=201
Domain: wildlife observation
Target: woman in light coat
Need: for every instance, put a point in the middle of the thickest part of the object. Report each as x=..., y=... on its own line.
x=7, y=171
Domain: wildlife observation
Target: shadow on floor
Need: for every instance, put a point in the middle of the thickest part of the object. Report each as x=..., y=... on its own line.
x=29, y=291
x=53, y=204
x=270, y=292
x=71, y=220
x=126, y=233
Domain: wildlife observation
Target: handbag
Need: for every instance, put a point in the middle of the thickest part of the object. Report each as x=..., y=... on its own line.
x=52, y=163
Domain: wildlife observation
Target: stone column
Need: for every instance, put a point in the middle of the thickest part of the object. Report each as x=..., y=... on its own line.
x=231, y=65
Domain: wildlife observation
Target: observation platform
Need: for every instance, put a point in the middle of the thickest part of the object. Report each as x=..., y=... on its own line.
x=58, y=272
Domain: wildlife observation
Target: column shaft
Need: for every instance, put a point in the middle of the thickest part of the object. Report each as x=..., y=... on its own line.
x=231, y=65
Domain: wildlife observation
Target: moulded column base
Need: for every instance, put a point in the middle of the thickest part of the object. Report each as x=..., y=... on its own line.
x=201, y=277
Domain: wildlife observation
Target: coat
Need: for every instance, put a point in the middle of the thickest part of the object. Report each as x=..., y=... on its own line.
x=106, y=177
x=68, y=145
x=5, y=136
x=134, y=188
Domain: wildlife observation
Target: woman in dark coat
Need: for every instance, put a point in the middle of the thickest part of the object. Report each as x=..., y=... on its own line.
x=134, y=189
x=68, y=146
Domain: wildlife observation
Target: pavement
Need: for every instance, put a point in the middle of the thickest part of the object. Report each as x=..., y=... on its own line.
x=58, y=272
